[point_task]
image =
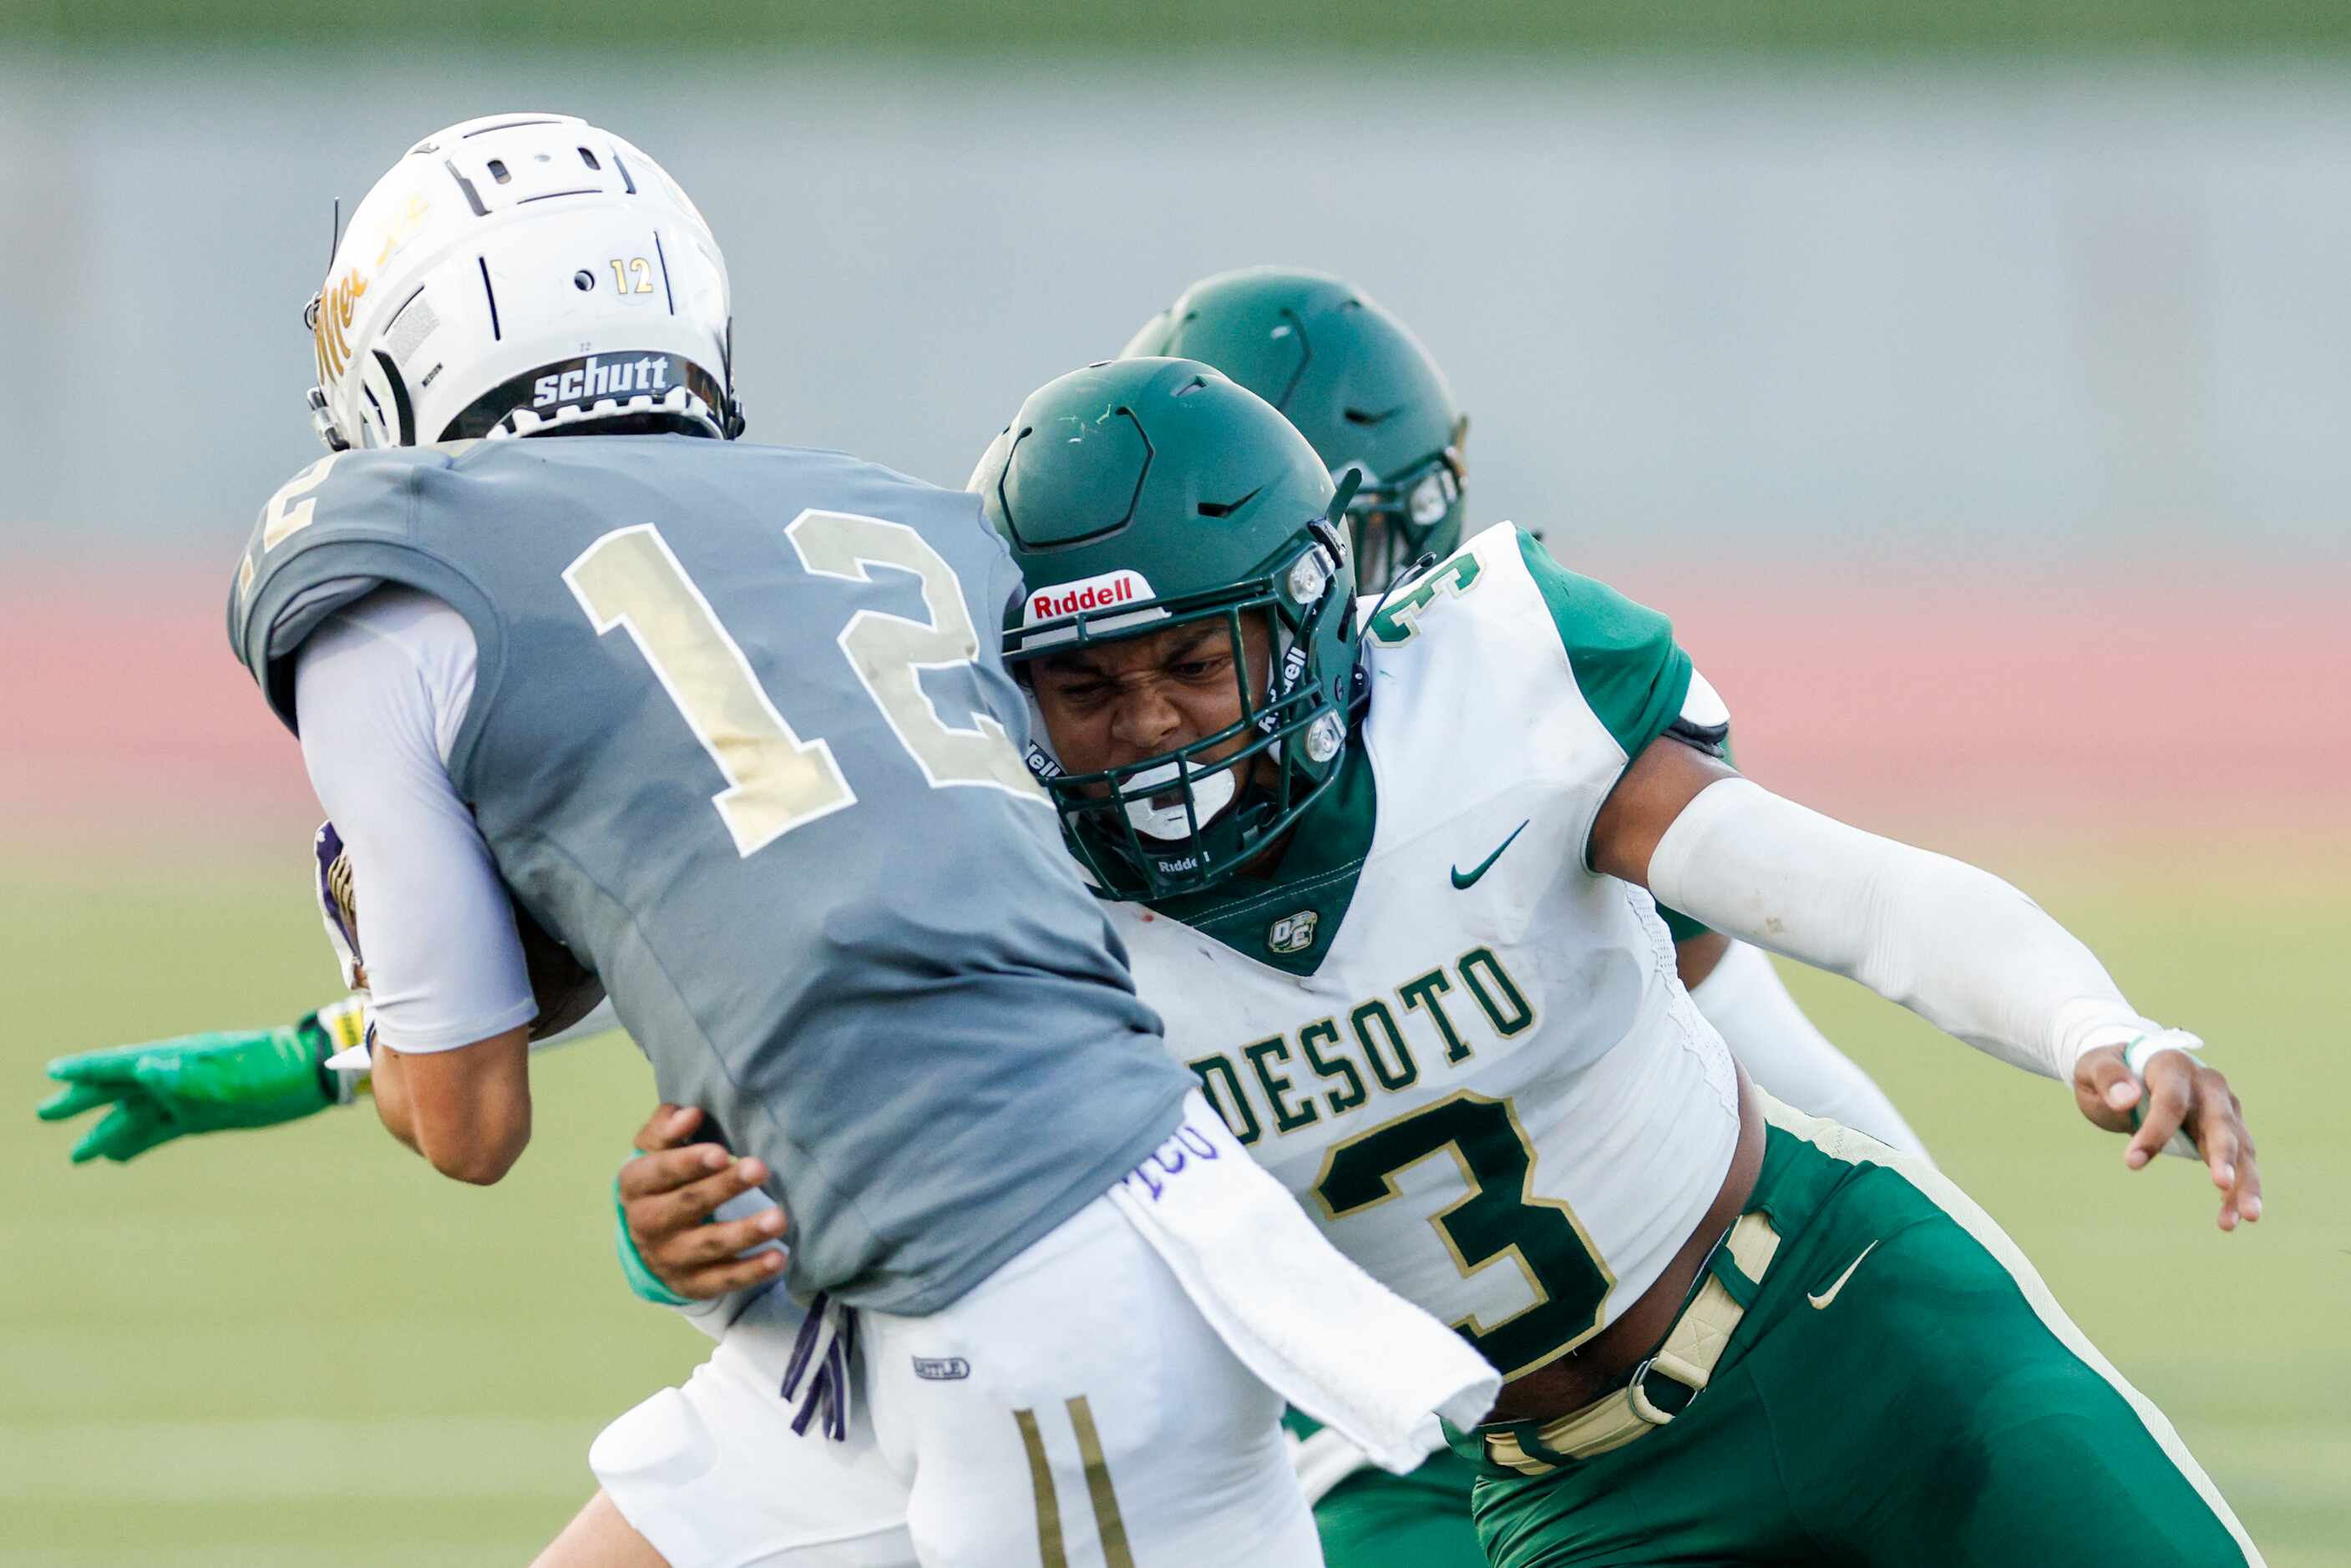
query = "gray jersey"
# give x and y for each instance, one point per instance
(742, 739)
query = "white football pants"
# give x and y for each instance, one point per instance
(1076, 1410)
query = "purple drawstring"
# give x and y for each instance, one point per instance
(829, 1390)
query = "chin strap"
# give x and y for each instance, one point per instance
(322, 421)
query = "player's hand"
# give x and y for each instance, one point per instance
(195, 1084)
(2181, 1095)
(667, 1197)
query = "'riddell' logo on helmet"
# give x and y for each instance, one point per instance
(592, 379)
(1123, 587)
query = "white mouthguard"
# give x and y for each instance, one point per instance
(1210, 794)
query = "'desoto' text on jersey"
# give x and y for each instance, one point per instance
(1491, 1090)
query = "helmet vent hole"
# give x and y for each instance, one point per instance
(1212, 509)
(1192, 386)
(498, 172)
(583, 280)
(589, 159)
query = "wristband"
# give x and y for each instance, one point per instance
(344, 1065)
(645, 1285)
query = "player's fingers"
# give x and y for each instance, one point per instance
(128, 1130)
(2246, 1200)
(654, 1219)
(668, 1127)
(100, 1141)
(2216, 1140)
(2171, 1088)
(668, 1169)
(2220, 1116)
(110, 1067)
(707, 1244)
(74, 1099)
(717, 1280)
(2104, 1089)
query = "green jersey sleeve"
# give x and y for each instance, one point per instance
(1627, 667)
(1630, 671)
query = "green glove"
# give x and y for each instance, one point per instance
(195, 1084)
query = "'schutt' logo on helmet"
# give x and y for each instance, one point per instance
(589, 379)
(1123, 587)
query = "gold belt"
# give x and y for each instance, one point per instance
(1688, 1358)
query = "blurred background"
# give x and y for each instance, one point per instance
(1968, 382)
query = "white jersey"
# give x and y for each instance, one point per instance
(1465, 1053)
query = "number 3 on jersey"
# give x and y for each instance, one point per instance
(775, 780)
(1501, 1219)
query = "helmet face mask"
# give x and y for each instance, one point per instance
(1182, 819)
(1394, 524)
(519, 274)
(1145, 495)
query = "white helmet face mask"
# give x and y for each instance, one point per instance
(516, 273)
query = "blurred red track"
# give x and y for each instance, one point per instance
(2071, 711)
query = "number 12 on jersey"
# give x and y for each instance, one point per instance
(775, 780)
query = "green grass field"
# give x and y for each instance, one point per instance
(301, 1346)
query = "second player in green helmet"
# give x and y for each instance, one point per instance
(1144, 496)
(1357, 385)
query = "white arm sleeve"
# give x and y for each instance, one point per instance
(378, 690)
(1745, 1000)
(1958, 946)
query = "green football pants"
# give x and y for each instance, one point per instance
(1903, 1391)
(1375, 1519)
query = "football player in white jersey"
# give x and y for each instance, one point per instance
(1360, 387)
(1393, 876)
(1607, 1223)
(1363, 391)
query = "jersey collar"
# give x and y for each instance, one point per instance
(1289, 919)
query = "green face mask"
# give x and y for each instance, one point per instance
(1185, 819)
(1397, 524)
(1140, 494)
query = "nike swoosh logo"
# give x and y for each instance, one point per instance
(1459, 880)
(1830, 1294)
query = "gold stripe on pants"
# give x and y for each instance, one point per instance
(1041, 1479)
(1108, 1522)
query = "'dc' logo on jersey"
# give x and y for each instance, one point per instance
(1123, 587)
(1293, 933)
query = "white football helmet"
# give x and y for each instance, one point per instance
(518, 274)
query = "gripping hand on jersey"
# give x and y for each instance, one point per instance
(674, 1248)
(212, 1082)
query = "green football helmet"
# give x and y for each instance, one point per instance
(1138, 494)
(1355, 383)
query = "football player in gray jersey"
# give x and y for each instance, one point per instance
(720, 721)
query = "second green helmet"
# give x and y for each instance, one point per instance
(1357, 385)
